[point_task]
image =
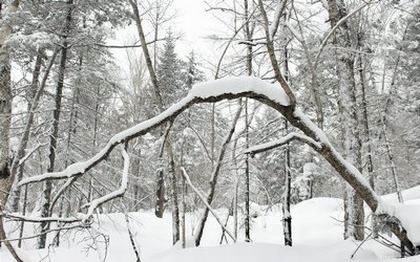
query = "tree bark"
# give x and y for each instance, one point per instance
(6, 178)
(287, 216)
(354, 212)
(46, 194)
(248, 36)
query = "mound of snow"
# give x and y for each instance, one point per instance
(254, 252)
(317, 221)
(408, 194)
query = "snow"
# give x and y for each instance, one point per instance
(244, 252)
(409, 214)
(317, 232)
(310, 168)
(317, 235)
(408, 194)
(237, 85)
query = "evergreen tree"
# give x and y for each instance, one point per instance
(191, 73)
(169, 73)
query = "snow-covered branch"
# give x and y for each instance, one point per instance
(117, 193)
(212, 91)
(29, 154)
(282, 141)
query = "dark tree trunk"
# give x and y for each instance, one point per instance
(46, 194)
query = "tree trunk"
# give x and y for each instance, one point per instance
(175, 207)
(354, 217)
(213, 180)
(287, 216)
(248, 36)
(46, 194)
(6, 178)
(168, 147)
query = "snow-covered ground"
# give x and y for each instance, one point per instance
(317, 236)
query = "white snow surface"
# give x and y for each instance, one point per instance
(236, 85)
(408, 212)
(409, 215)
(317, 236)
(408, 194)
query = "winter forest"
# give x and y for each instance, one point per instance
(214, 131)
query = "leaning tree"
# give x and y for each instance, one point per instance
(271, 95)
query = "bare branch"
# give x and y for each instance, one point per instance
(203, 199)
(282, 141)
(41, 219)
(277, 15)
(135, 45)
(274, 63)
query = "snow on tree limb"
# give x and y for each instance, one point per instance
(282, 141)
(212, 91)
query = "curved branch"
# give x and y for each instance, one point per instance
(273, 59)
(212, 91)
(282, 141)
(57, 196)
(117, 193)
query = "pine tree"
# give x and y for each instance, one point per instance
(169, 73)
